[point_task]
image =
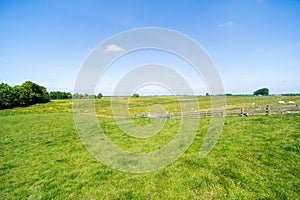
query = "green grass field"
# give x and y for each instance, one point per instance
(42, 156)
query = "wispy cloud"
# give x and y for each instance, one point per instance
(114, 48)
(226, 24)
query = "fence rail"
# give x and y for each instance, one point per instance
(229, 112)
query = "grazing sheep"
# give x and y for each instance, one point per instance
(244, 114)
(285, 112)
(153, 116)
(142, 115)
(281, 102)
(168, 116)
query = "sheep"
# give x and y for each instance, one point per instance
(244, 114)
(285, 112)
(153, 116)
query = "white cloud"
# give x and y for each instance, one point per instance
(226, 24)
(114, 48)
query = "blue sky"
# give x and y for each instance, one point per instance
(253, 43)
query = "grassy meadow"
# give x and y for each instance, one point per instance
(256, 157)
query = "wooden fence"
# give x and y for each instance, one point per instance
(233, 112)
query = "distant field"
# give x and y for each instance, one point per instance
(42, 156)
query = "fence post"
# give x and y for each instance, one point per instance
(267, 110)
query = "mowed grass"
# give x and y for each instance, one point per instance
(42, 157)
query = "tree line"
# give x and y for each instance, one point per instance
(28, 93)
(60, 95)
(87, 96)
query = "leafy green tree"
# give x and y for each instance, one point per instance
(69, 95)
(60, 95)
(99, 96)
(84, 96)
(19, 96)
(135, 95)
(262, 91)
(34, 93)
(78, 96)
(27, 94)
(53, 95)
(5, 96)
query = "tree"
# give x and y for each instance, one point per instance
(135, 95)
(34, 93)
(262, 91)
(60, 95)
(18, 96)
(99, 96)
(77, 96)
(28, 93)
(5, 96)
